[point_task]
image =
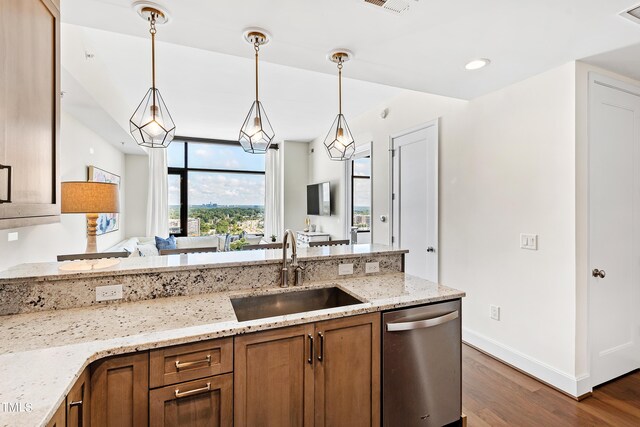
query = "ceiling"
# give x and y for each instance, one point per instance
(424, 49)
(625, 61)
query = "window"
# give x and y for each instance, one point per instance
(361, 193)
(214, 188)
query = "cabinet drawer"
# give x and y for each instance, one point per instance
(188, 362)
(204, 402)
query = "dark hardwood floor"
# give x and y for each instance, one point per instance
(494, 394)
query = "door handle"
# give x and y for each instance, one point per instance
(8, 199)
(421, 324)
(598, 273)
(310, 359)
(321, 349)
(178, 394)
(431, 249)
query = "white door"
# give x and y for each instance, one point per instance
(614, 225)
(415, 199)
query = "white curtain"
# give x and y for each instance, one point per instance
(273, 202)
(158, 197)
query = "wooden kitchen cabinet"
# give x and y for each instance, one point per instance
(58, 419)
(120, 391)
(29, 112)
(323, 374)
(204, 402)
(273, 378)
(78, 402)
(347, 372)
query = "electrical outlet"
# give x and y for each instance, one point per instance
(372, 267)
(495, 312)
(529, 241)
(344, 269)
(12, 237)
(108, 293)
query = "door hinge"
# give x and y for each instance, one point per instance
(393, 152)
(393, 196)
(393, 239)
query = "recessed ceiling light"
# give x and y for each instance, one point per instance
(476, 64)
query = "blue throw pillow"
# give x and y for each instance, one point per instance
(168, 243)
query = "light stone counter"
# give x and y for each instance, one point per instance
(43, 353)
(49, 271)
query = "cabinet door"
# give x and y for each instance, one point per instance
(58, 419)
(347, 376)
(78, 402)
(273, 378)
(29, 110)
(120, 391)
(206, 402)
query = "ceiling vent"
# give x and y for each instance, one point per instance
(395, 6)
(633, 14)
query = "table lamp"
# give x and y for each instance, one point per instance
(90, 198)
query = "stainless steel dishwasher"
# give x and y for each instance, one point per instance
(422, 366)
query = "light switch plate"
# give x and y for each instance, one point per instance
(12, 237)
(529, 241)
(344, 269)
(372, 267)
(495, 312)
(108, 293)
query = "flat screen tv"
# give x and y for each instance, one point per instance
(319, 199)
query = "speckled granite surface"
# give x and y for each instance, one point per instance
(42, 353)
(80, 291)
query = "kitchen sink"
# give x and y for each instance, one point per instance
(261, 306)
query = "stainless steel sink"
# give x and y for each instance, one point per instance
(261, 306)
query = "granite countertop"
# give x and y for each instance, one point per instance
(49, 271)
(42, 354)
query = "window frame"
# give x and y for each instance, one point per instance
(183, 172)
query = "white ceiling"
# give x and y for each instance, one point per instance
(424, 49)
(208, 94)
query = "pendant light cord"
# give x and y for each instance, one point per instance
(152, 30)
(256, 46)
(340, 85)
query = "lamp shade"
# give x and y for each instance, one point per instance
(89, 197)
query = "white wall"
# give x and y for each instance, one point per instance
(507, 166)
(295, 165)
(135, 190)
(43, 242)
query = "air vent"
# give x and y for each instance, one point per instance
(395, 6)
(632, 14)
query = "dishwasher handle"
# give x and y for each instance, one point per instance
(421, 324)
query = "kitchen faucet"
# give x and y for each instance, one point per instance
(297, 270)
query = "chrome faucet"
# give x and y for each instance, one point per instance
(297, 270)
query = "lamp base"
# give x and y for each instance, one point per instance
(92, 227)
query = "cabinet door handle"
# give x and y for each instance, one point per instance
(78, 404)
(204, 389)
(181, 365)
(8, 199)
(310, 359)
(321, 349)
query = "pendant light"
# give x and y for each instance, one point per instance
(339, 141)
(151, 124)
(256, 133)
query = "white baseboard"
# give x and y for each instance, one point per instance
(574, 386)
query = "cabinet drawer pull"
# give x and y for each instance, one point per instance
(77, 403)
(204, 389)
(321, 350)
(8, 199)
(180, 365)
(310, 359)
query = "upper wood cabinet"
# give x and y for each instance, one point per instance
(29, 112)
(323, 374)
(120, 391)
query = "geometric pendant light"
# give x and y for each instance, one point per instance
(339, 141)
(151, 124)
(256, 133)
